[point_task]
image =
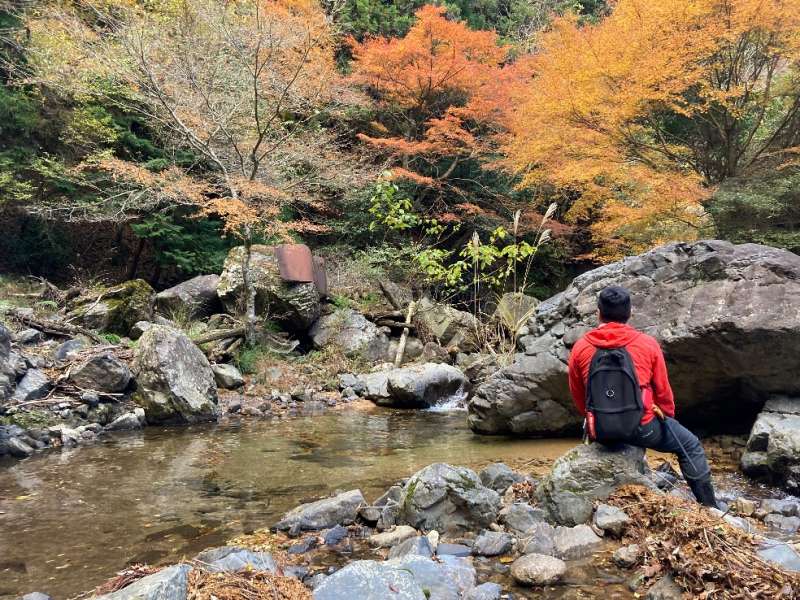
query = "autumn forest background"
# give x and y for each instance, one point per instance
(469, 146)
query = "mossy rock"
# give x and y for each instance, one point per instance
(117, 308)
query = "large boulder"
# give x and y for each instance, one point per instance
(773, 449)
(448, 499)
(369, 580)
(115, 309)
(7, 371)
(295, 305)
(174, 380)
(168, 584)
(452, 328)
(352, 333)
(195, 298)
(726, 316)
(585, 474)
(415, 386)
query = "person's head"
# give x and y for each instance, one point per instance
(614, 304)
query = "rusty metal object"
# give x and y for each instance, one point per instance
(297, 265)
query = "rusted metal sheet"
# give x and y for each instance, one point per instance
(297, 265)
(295, 262)
(320, 276)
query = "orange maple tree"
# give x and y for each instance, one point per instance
(639, 116)
(442, 89)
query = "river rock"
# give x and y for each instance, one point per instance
(102, 373)
(369, 580)
(585, 474)
(448, 499)
(781, 523)
(29, 336)
(192, 299)
(492, 543)
(773, 448)
(231, 559)
(227, 376)
(36, 596)
(726, 316)
(611, 519)
(780, 553)
(446, 578)
(664, 589)
(416, 546)
(115, 309)
(485, 591)
(8, 375)
(295, 305)
(69, 349)
(575, 542)
(789, 507)
(174, 379)
(33, 386)
(627, 556)
(538, 570)
(16, 447)
(499, 477)
(168, 584)
(414, 386)
(540, 539)
(451, 327)
(352, 334)
(394, 537)
(127, 421)
(521, 517)
(322, 514)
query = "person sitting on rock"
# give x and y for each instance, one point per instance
(632, 403)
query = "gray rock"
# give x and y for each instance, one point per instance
(102, 373)
(664, 589)
(227, 376)
(29, 336)
(611, 519)
(294, 305)
(789, 507)
(538, 570)
(492, 543)
(773, 448)
(521, 517)
(115, 309)
(485, 591)
(335, 535)
(781, 554)
(627, 556)
(127, 421)
(448, 499)
(732, 305)
(349, 380)
(781, 523)
(369, 580)
(392, 538)
(575, 542)
(174, 379)
(68, 349)
(195, 298)
(499, 477)
(446, 578)
(477, 367)
(168, 584)
(230, 559)
(325, 513)
(451, 327)
(415, 386)
(416, 546)
(370, 514)
(138, 329)
(17, 448)
(351, 333)
(540, 539)
(444, 549)
(36, 596)
(33, 386)
(588, 473)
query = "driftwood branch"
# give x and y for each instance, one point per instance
(401, 348)
(55, 327)
(219, 334)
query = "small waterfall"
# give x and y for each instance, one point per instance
(453, 402)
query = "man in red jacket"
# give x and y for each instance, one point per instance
(658, 428)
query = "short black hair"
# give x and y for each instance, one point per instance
(614, 303)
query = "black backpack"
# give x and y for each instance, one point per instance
(614, 405)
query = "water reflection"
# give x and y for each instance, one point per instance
(68, 520)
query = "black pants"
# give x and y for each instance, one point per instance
(670, 436)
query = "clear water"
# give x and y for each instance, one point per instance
(71, 519)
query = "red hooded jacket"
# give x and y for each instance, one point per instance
(647, 358)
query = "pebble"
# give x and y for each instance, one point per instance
(627, 556)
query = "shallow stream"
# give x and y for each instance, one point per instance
(71, 519)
